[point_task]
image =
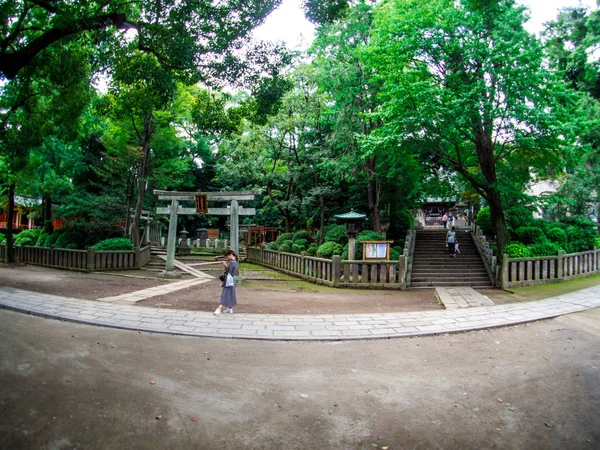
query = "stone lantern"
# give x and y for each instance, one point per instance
(184, 248)
(354, 224)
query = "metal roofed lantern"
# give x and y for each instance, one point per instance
(354, 222)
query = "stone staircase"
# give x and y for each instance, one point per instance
(433, 267)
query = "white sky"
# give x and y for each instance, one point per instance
(288, 24)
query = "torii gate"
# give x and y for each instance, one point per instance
(202, 200)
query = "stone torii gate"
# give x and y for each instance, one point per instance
(202, 200)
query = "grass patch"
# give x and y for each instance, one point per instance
(532, 293)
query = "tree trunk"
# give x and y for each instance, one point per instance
(10, 253)
(47, 213)
(145, 144)
(322, 218)
(498, 219)
(373, 194)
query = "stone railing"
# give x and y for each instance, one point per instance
(82, 260)
(518, 272)
(335, 272)
(487, 254)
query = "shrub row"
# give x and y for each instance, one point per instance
(538, 237)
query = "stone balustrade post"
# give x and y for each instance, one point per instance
(559, 265)
(91, 256)
(336, 263)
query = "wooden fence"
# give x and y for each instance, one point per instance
(335, 272)
(518, 272)
(82, 260)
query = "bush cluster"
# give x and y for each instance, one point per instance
(114, 244)
(543, 238)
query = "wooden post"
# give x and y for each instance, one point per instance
(91, 255)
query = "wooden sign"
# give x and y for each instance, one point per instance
(376, 250)
(201, 203)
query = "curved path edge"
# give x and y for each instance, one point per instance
(294, 327)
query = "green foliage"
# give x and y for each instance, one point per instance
(71, 237)
(546, 248)
(302, 234)
(302, 243)
(114, 244)
(557, 235)
(2, 238)
(71, 246)
(286, 248)
(336, 233)
(581, 237)
(400, 222)
(52, 238)
(322, 12)
(312, 251)
(27, 237)
(272, 245)
(284, 237)
(328, 249)
(596, 242)
(517, 250)
(395, 253)
(530, 235)
(484, 220)
(518, 216)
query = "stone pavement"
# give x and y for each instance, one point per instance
(294, 327)
(461, 297)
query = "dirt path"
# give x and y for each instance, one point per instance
(67, 386)
(261, 293)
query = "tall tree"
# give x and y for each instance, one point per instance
(195, 37)
(571, 41)
(466, 84)
(342, 75)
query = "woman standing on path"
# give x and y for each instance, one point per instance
(228, 295)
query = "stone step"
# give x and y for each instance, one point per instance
(448, 271)
(439, 278)
(429, 285)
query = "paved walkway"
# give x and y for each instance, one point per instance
(294, 327)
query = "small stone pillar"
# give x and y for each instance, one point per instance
(202, 235)
(184, 248)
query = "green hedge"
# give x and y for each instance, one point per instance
(114, 244)
(328, 249)
(517, 250)
(27, 237)
(530, 235)
(484, 220)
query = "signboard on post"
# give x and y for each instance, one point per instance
(376, 250)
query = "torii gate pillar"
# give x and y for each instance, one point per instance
(171, 241)
(234, 230)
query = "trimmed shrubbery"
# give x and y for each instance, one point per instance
(27, 237)
(517, 250)
(114, 244)
(328, 249)
(530, 235)
(484, 220)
